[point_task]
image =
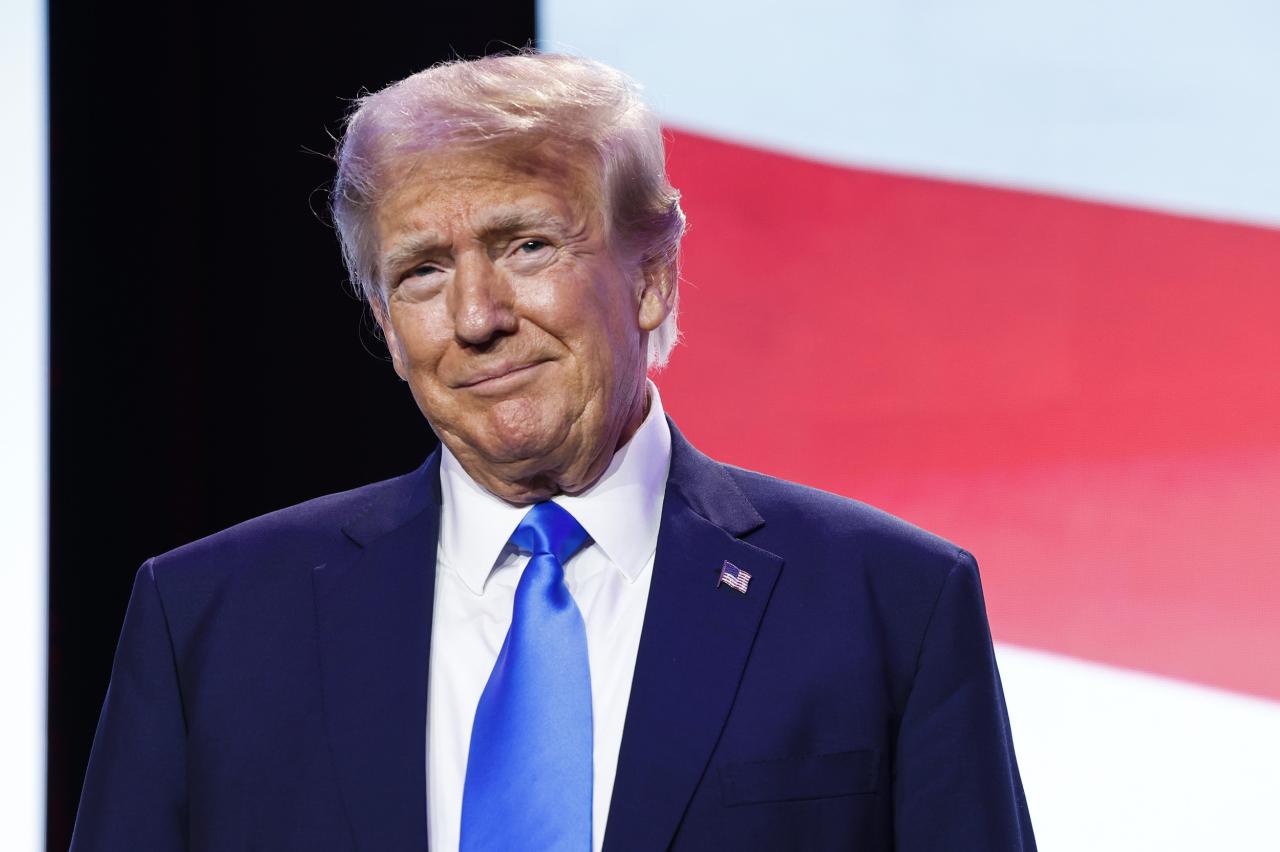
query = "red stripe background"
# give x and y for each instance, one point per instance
(1084, 395)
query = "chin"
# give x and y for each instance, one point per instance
(523, 430)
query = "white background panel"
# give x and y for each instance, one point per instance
(1116, 761)
(23, 324)
(1173, 105)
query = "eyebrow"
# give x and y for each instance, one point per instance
(510, 222)
(409, 249)
(502, 225)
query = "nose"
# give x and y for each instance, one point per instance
(483, 303)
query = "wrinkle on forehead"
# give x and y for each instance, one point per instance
(558, 162)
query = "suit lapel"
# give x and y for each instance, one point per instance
(373, 614)
(693, 649)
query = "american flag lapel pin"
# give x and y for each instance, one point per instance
(733, 577)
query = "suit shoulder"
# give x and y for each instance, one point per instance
(804, 514)
(299, 532)
(848, 563)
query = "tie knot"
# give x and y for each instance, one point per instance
(549, 528)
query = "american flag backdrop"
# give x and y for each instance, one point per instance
(1011, 271)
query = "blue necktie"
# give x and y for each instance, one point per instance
(528, 781)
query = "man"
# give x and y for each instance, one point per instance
(568, 629)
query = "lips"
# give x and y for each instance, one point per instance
(498, 374)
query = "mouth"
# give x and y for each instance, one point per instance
(501, 376)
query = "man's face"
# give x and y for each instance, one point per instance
(520, 333)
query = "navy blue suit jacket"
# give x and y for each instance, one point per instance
(270, 685)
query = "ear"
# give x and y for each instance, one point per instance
(382, 314)
(657, 294)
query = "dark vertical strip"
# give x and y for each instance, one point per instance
(207, 362)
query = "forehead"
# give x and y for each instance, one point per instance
(463, 187)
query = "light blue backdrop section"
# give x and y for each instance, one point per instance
(23, 424)
(1173, 105)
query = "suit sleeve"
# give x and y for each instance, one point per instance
(957, 786)
(134, 793)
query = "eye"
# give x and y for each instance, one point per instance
(421, 271)
(532, 246)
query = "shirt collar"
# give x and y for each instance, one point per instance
(621, 511)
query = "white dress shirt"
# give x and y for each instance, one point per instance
(476, 576)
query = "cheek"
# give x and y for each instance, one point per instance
(595, 313)
(421, 333)
(549, 300)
